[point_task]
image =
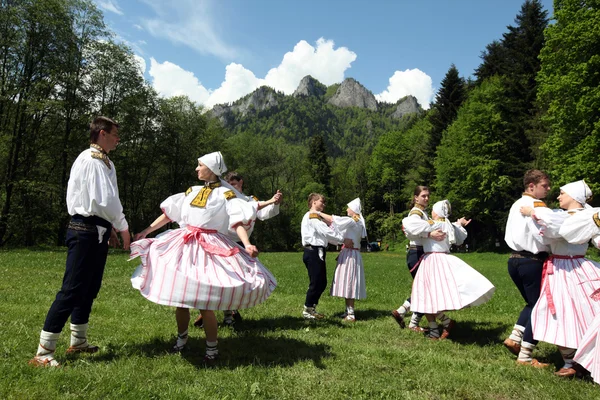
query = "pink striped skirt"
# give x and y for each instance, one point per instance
(349, 278)
(588, 353)
(195, 268)
(564, 310)
(445, 282)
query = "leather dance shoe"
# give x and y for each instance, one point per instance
(417, 329)
(87, 349)
(566, 372)
(199, 322)
(446, 330)
(399, 318)
(533, 363)
(512, 346)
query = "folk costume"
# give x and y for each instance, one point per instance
(349, 277)
(94, 205)
(525, 266)
(199, 265)
(316, 236)
(580, 228)
(416, 228)
(445, 282)
(565, 310)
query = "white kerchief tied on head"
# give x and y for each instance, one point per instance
(355, 206)
(443, 210)
(214, 162)
(579, 191)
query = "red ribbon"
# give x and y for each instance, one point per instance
(548, 269)
(195, 233)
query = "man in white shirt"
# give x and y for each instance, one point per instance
(96, 214)
(525, 264)
(316, 235)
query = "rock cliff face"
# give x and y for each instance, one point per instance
(261, 99)
(407, 105)
(309, 86)
(353, 94)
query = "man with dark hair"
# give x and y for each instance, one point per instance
(526, 263)
(96, 213)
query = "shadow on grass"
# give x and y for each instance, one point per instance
(233, 351)
(479, 333)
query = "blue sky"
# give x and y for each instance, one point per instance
(216, 51)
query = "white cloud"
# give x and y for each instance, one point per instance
(109, 5)
(323, 62)
(412, 81)
(171, 80)
(188, 22)
(138, 27)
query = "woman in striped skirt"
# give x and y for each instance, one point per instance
(445, 282)
(349, 278)
(199, 266)
(565, 309)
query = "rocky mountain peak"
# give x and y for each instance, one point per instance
(353, 94)
(406, 105)
(309, 86)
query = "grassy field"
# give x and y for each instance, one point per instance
(273, 353)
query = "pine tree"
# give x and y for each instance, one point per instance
(317, 155)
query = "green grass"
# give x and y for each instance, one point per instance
(274, 354)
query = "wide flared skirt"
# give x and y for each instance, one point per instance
(445, 282)
(564, 310)
(588, 353)
(206, 271)
(349, 277)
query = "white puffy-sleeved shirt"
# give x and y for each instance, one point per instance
(349, 228)
(415, 226)
(263, 214)
(92, 189)
(580, 227)
(315, 232)
(443, 246)
(548, 224)
(518, 235)
(216, 207)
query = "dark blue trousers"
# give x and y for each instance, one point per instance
(317, 275)
(86, 258)
(412, 258)
(526, 273)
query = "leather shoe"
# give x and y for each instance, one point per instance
(417, 329)
(566, 372)
(512, 346)
(399, 318)
(533, 363)
(446, 330)
(88, 349)
(199, 322)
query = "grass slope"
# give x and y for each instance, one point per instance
(274, 353)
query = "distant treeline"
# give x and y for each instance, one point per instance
(533, 103)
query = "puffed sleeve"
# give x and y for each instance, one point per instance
(549, 221)
(341, 224)
(460, 234)
(172, 206)
(332, 234)
(241, 212)
(582, 226)
(268, 212)
(415, 227)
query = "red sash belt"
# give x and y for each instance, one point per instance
(424, 254)
(195, 233)
(548, 269)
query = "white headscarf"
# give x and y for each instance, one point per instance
(355, 206)
(443, 210)
(214, 162)
(579, 191)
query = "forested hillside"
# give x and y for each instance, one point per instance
(533, 102)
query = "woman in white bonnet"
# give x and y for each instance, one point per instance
(349, 277)
(565, 309)
(445, 282)
(198, 265)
